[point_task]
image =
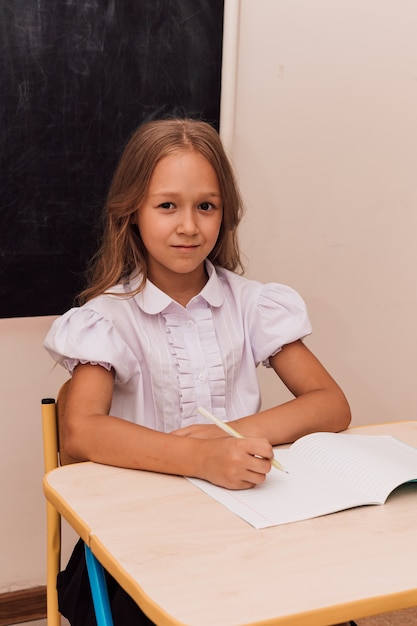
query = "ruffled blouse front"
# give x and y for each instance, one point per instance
(169, 359)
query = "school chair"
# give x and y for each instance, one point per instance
(54, 456)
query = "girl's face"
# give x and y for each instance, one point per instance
(179, 220)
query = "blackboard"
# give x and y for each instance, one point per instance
(76, 78)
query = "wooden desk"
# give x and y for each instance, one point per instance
(187, 560)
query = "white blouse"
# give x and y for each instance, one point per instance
(169, 359)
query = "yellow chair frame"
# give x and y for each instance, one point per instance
(54, 456)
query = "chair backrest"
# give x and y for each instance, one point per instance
(54, 455)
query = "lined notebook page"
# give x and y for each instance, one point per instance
(328, 472)
(375, 463)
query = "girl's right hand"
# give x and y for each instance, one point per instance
(235, 463)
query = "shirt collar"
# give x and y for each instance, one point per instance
(152, 300)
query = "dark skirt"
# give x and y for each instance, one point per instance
(75, 601)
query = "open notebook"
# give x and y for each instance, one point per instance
(327, 472)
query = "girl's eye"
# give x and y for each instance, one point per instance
(205, 206)
(166, 205)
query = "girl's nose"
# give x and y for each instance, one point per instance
(187, 224)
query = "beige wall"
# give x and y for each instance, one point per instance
(27, 375)
(323, 133)
(324, 136)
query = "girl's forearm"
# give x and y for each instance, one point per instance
(114, 441)
(318, 410)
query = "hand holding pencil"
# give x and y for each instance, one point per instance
(231, 431)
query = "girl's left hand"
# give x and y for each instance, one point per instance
(200, 431)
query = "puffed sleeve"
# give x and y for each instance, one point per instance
(83, 335)
(279, 317)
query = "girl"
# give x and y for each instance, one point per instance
(167, 325)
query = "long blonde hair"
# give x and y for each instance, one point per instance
(122, 253)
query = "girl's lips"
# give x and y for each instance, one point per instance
(186, 247)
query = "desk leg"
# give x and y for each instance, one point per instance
(98, 589)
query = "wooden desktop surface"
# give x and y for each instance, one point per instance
(187, 560)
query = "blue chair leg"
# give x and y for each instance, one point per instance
(98, 589)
